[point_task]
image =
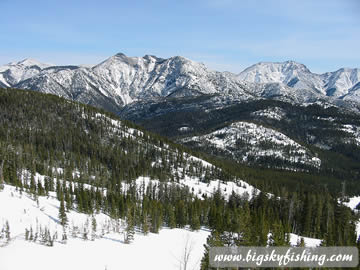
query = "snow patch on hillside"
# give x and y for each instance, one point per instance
(275, 113)
(309, 242)
(245, 141)
(353, 202)
(354, 131)
(201, 189)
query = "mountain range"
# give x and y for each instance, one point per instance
(121, 80)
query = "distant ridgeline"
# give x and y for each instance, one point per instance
(98, 154)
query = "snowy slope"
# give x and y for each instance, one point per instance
(107, 251)
(341, 82)
(248, 141)
(157, 251)
(105, 248)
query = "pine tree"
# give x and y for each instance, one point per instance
(129, 230)
(278, 236)
(213, 240)
(85, 233)
(1, 175)
(68, 200)
(172, 219)
(62, 213)
(180, 214)
(145, 223)
(7, 231)
(64, 235)
(93, 228)
(27, 234)
(50, 240)
(31, 236)
(32, 184)
(195, 221)
(301, 242)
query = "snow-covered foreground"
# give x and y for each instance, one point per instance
(154, 251)
(165, 250)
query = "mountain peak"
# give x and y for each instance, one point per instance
(120, 56)
(115, 60)
(289, 73)
(29, 62)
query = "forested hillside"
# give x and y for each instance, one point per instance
(320, 140)
(94, 162)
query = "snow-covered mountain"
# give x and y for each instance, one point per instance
(13, 73)
(342, 82)
(339, 84)
(120, 80)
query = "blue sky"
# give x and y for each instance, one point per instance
(224, 34)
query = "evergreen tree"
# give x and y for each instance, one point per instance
(301, 242)
(195, 221)
(64, 235)
(1, 174)
(32, 184)
(27, 234)
(31, 236)
(93, 228)
(129, 230)
(213, 240)
(145, 223)
(278, 235)
(172, 220)
(7, 231)
(62, 213)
